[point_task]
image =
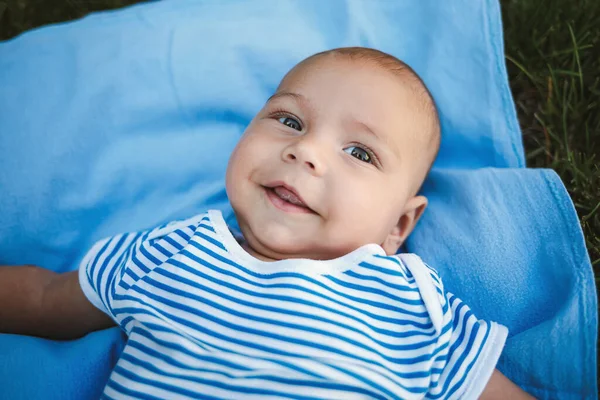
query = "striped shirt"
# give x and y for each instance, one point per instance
(206, 320)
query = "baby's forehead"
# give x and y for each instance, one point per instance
(392, 76)
(331, 60)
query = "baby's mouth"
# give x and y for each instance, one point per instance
(286, 199)
(288, 196)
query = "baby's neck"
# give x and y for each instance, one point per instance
(253, 252)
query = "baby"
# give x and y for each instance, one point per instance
(309, 300)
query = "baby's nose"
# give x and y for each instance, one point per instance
(292, 157)
(307, 156)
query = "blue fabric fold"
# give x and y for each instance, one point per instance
(124, 120)
(508, 242)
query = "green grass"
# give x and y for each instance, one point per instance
(553, 59)
(17, 16)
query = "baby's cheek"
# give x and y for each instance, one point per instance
(243, 160)
(355, 198)
(364, 212)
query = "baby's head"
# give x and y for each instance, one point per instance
(335, 158)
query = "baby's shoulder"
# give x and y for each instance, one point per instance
(411, 265)
(415, 280)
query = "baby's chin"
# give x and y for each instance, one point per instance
(273, 239)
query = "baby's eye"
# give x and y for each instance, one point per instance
(290, 122)
(360, 153)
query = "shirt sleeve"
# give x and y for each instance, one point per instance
(467, 352)
(115, 264)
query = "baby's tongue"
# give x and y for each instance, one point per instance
(288, 196)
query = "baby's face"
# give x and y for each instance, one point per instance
(332, 162)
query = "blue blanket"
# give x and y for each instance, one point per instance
(124, 120)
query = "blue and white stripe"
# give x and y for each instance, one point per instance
(206, 320)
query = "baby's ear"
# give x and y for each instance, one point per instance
(413, 209)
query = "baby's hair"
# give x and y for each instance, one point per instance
(400, 68)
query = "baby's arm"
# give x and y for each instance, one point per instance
(38, 302)
(500, 387)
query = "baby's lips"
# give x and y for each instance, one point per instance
(289, 196)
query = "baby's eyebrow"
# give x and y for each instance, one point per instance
(370, 131)
(296, 96)
(367, 129)
(381, 138)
